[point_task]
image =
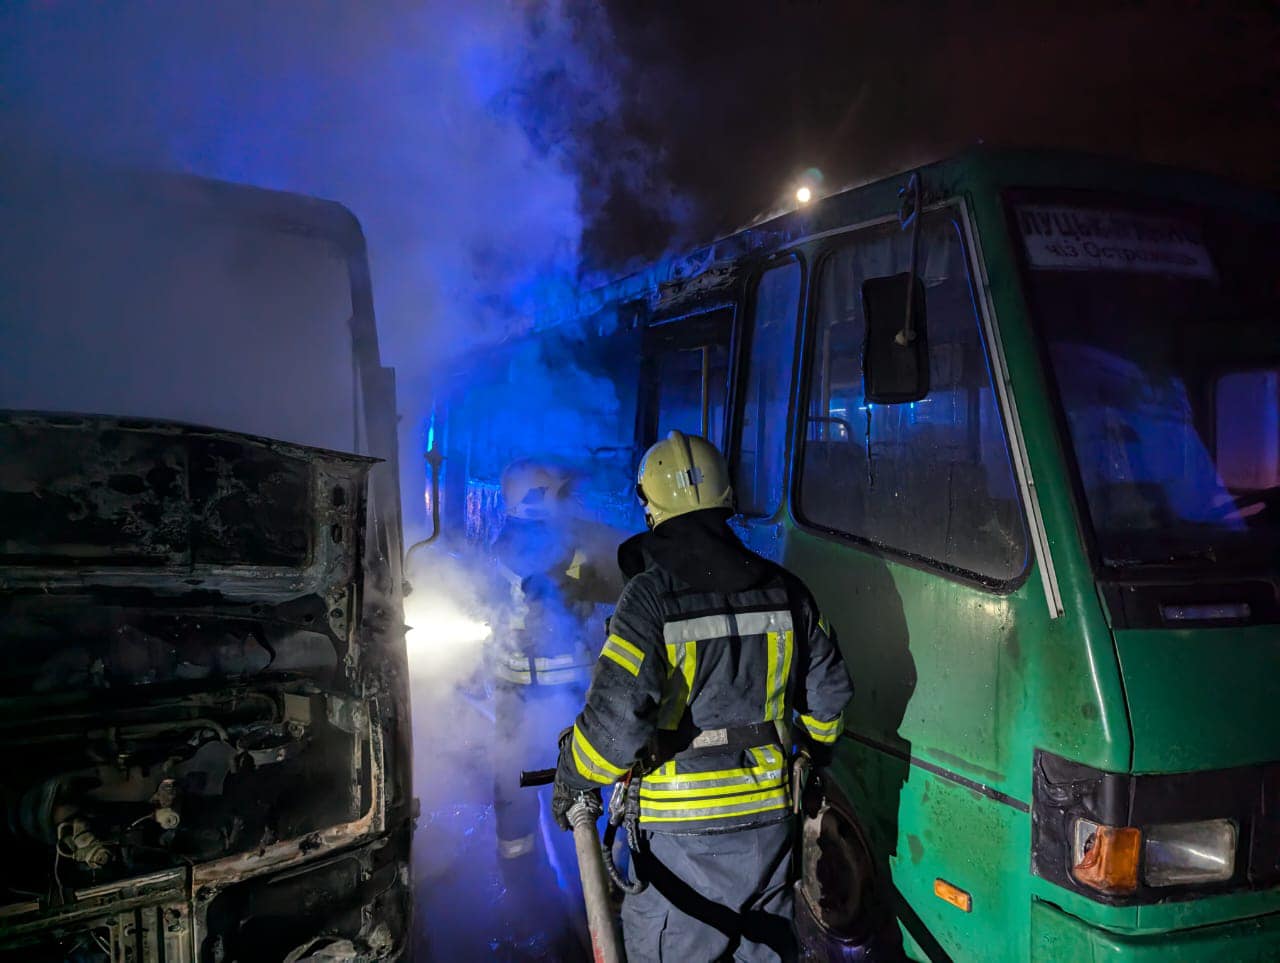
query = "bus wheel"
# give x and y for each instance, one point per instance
(836, 917)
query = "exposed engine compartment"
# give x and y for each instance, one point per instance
(189, 713)
(138, 788)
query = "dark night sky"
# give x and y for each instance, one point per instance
(734, 98)
(498, 150)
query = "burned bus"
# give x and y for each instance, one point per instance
(203, 700)
(1015, 418)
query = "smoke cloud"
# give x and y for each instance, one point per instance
(403, 112)
(451, 130)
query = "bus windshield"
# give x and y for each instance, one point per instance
(1161, 330)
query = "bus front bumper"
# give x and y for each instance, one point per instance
(1061, 937)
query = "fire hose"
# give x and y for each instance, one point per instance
(595, 860)
(595, 857)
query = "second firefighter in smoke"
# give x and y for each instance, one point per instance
(555, 573)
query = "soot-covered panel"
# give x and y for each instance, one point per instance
(83, 492)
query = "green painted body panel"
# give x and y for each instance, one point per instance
(1202, 698)
(1061, 938)
(946, 673)
(923, 828)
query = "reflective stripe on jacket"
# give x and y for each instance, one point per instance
(525, 630)
(682, 662)
(518, 669)
(683, 796)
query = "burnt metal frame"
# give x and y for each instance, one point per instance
(733, 440)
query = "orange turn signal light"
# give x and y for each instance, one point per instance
(953, 895)
(1106, 857)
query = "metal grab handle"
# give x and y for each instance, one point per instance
(840, 422)
(433, 458)
(910, 196)
(800, 770)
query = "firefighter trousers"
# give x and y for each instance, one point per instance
(720, 896)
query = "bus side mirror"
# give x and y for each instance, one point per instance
(895, 353)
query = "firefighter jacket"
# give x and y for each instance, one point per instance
(712, 654)
(553, 581)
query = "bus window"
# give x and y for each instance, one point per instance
(1247, 405)
(687, 376)
(1171, 422)
(931, 479)
(690, 381)
(760, 449)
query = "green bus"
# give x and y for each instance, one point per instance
(1015, 418)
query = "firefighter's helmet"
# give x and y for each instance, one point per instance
(534, 490)
(682, 474)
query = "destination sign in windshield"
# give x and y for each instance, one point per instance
(1062, 238)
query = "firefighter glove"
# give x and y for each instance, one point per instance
(563, 798)
(820, 754)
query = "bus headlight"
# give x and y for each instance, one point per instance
(1130, 839)
(1176, 854)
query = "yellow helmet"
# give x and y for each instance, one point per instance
(682, 474)
(534, 490)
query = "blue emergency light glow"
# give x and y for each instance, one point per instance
(1212, 612)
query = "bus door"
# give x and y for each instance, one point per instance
(911, 537)
(757, 452)
(685, 376)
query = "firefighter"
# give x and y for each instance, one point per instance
(547, 562)
(715, 661)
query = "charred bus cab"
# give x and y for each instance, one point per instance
(203, 700)
(1015, 418)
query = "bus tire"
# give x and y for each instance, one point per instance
(837, 916)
